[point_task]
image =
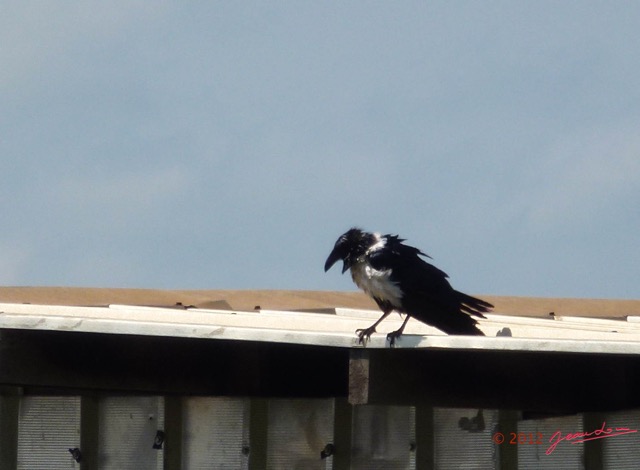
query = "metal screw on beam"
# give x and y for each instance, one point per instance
(76, 454)
(328, 451)
(158, 440)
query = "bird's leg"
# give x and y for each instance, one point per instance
(365, 334)
(394, 335)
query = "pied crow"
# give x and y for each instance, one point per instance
(397, 278)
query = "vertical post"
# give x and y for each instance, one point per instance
(342, 430)
(593, 455)
(508, 454)
(9, 415)
(173, 433)
(89, 432)
(258, 428)
(425, 442)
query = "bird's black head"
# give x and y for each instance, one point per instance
(348, 247)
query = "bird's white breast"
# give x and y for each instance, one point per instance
(376, 283)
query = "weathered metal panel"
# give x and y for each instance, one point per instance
(47, 428)
(127, 431)
(575, 335)
(535, 436)
(463, 438)
(383, 438)
(621, 450)
(298, 431)
(215, 433)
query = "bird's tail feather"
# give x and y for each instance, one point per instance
(456, 317)
(459, 325)
(473, 305)
(463, 321)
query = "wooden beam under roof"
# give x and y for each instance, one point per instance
(524, 380)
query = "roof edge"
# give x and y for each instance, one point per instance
(296, 300)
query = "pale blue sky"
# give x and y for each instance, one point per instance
(228, 144)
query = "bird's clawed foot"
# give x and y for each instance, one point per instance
(393, 336)
(364, 335)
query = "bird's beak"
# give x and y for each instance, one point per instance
(331, 260)
(346, 265)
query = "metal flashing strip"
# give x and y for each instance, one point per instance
(532, 335)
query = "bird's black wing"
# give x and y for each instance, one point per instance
(412, 273)
(427, 294)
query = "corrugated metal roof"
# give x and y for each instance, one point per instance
(334, 328)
